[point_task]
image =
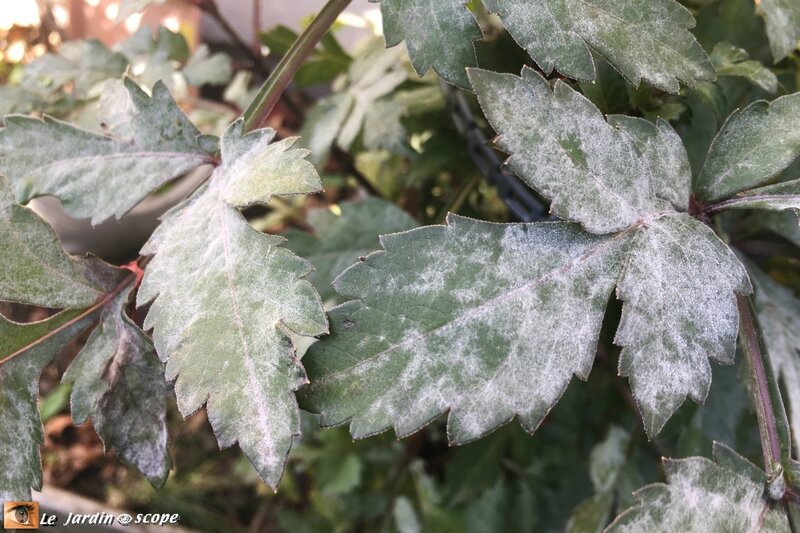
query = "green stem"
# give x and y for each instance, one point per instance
(272, 89)
(773, 424)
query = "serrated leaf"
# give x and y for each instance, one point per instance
(777, 197)
(20, 463)
(343, 235)
(339, 118)
(488, 321)
(35, 268)
(563, 147)
(702, 495)
(678, 289)
(730, 60)
(438, 35)
(81, 63)
(779, 313)
(204, 67)
(226, 296)
(100, 176)
(118, 381)
(644, 40)
(753, 145)
(783, 25)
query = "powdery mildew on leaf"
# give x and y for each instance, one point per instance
(678, 289)
(118, 381)
(439, 34)
(35, 268)
(700, 495)
(643, 39)
(777, 197)
(98, 176)
(754, 145)
(225, 297)
(488, 321)
(342, 236)
(779, 314)
(783, 25)
(20, 463)
(605, 175)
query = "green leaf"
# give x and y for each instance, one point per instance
(339, 118)
(488, 321)
(753, 145)
(727, 494)
(118, 381)
(324, 63)
(644, 40)
(677, 313)
(204, 67)
(779, 313)
(730, 60)
(562, 146)
(777, 197)
(100, 176)
(35, 345)
(783, 25)
(438, 35)
(81, 63)
(226, 297)
(36, 270)
(342, 234)
(783, 223)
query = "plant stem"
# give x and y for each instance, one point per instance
(773, 424)
(272, 89)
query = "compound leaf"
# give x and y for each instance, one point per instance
(606, 175)
(118, 381)
(488, 321)
(679, 309)
(727, 494)
(226, 296)
(100, 176)
(438, 35)
(643, 40)
(753, 145)
(783, 25)
(34, 345)
(36, 269)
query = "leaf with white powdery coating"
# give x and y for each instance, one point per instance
(488, 321)
(606, 175)
(727, 494)
(225, 298)
(678, 289)
(783, 25)
(439, 34)
(645, 40)
(20, 462)
(118, 381)
(36, 269)
(753, 146)
(100, 176)
(341, 237)
(777, 197)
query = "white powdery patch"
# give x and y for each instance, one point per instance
(678, 289)
(704, 496)
(605, 175)
(512, 313)
(226, 296)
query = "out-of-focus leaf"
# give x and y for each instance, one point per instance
(783, 25)
(204, 67)
(729, 60)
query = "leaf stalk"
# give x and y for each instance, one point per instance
(270, 92)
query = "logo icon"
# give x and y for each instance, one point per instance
(124, 519)
(21, 515)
